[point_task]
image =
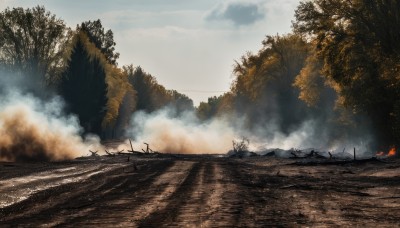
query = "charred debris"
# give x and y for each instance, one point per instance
(310, 156)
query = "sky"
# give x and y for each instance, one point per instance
(189, 46)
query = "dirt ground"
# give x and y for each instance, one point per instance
(199, 191)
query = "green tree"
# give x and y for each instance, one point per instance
(32, 42)
(83, 84)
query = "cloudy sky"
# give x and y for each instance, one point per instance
(189, 46)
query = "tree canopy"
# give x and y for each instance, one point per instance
(152, 96)
(32, 41)
(263, 81)
(358, 43)
(103, 40)
(83, 84)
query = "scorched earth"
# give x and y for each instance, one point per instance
(199, 191)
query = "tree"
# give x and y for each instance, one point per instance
(126, 109)
(32, 42)
(104, 40)
(143, 84)
(210, 109)
(83, 84)
(121, 101)
(359, 44)
(180, 102)
(152, 96)
(263, 86)
(315, 89)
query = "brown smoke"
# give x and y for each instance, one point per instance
(27, 134)
(183, 135)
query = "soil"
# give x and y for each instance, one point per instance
(199, 191)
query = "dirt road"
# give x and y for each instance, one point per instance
(198, 191)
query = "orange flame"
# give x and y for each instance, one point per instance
(392, 152)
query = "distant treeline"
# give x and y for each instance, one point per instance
(340, 66)
(40, 55)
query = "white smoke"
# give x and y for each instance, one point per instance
(184, 134)
(166, 132)
(310, 134)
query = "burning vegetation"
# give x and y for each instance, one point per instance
(390, 153)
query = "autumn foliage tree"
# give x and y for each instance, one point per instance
(358, 43)
(215, 106)
(263, 86)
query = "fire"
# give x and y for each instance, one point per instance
(392, 152)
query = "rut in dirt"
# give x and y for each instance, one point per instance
(71, 202)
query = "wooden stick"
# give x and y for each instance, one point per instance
(94, 153)
(131, 145)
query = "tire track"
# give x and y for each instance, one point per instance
(171, 206)
(127, 208)
(207, 198)
(66, 203)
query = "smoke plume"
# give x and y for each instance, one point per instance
(170, 133)
(34, 130)
(166, 132)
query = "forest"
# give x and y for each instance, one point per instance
(80, 65)
(339, 68)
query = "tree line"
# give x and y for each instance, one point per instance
(339, 65)
(43, 56)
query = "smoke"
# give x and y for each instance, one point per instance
(35, 130)
(170, 133)
(33, 126)
(312, 133)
